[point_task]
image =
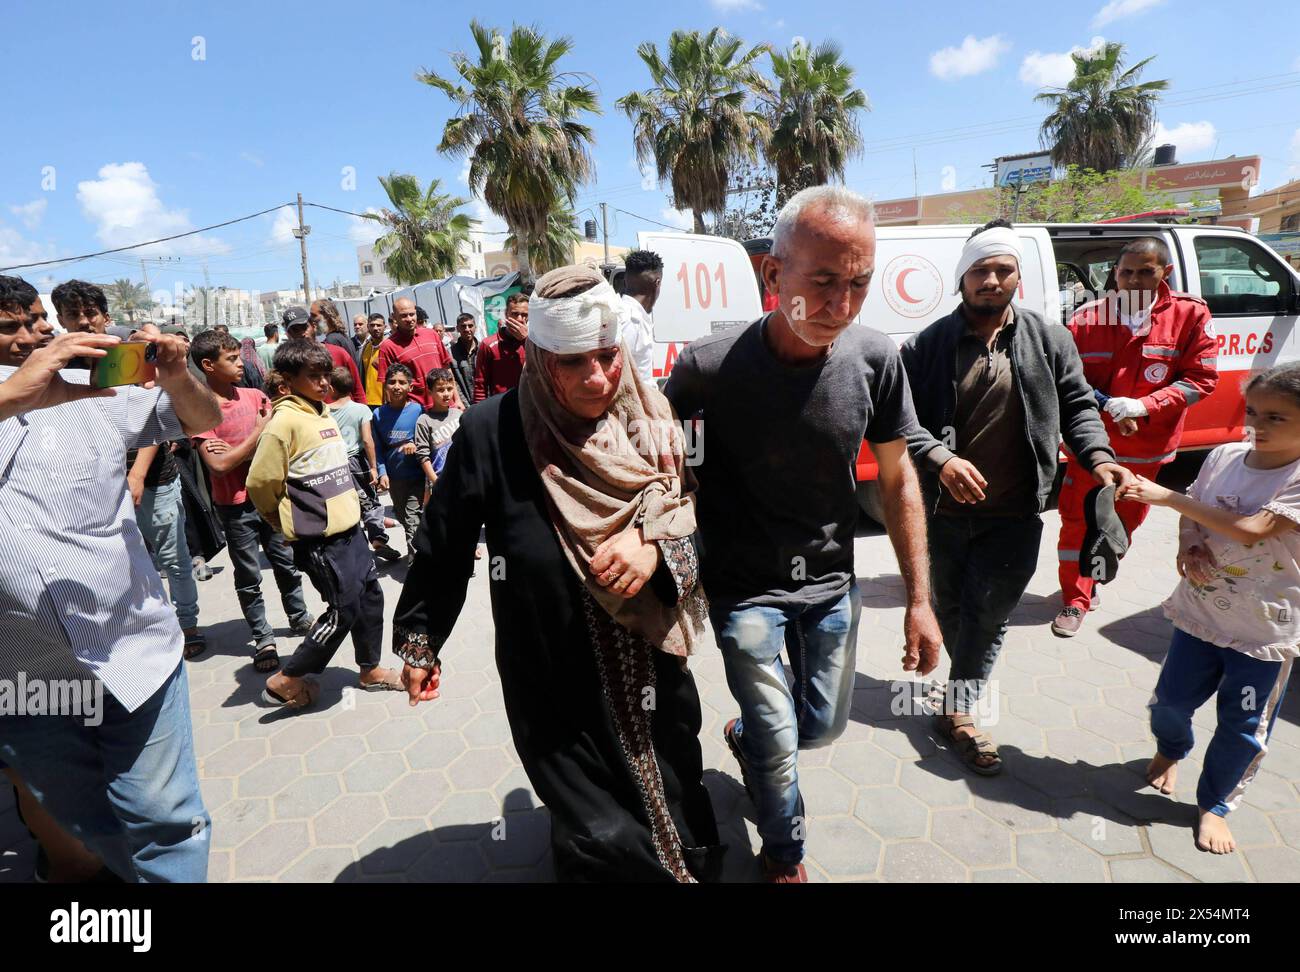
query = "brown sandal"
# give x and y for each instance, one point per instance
(310, 692)
(972, 747)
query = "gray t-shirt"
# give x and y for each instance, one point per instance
(777, 500)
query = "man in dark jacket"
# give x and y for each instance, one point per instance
(464, 355)
(996, 388)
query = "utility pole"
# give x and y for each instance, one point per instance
(604, 231)
(301, 232)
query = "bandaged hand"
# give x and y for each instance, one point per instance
(1125, 408)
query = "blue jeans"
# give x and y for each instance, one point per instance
(1250, 696)
(776, 719)
(979, 569)
(245, 532)
(161, 517)
(128, 788)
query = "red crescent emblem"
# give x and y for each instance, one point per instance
(902, 290)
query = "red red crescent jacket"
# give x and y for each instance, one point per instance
(1169, 364)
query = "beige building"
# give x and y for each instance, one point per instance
(584, 251)
(1222, 184)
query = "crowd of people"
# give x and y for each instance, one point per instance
(618, 551)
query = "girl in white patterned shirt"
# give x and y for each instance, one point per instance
(1236, 613)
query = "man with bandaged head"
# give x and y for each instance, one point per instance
(578, 475)
(996, 388)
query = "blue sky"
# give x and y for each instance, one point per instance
(128, 135)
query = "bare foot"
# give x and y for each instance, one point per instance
(1213, 835)
(1162, 772)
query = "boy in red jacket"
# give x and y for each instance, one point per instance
(1149, 354)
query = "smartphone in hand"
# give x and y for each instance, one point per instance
(127, 363)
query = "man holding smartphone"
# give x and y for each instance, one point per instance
(84, 607)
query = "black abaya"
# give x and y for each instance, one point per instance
(607, 727)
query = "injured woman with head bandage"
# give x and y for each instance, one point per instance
(595, 590)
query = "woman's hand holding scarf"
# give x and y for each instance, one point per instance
(624, 562)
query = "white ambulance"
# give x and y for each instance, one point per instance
(711, 284)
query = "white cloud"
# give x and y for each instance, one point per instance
(682, 219)
(1119, 9)
(1055, 69)
(492, 225)
(31, 213)
(364, 231)
(123, 204)
(974, 56)
(252, 158)
(1192, 138)
(734, 6)
(1294, 171)
(17, 249)
(283, 224)
(463, 177)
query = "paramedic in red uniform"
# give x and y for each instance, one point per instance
(1149, 354)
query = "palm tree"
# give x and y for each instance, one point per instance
(696, 121)
(127, 297)
(517, 123)
(554, 248)
(813, 118)
(1103, 119)
(424, 234)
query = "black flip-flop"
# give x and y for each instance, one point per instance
(195, 645)
(266, 660)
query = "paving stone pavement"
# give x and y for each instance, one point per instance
(365, 788)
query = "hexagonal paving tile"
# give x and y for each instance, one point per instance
(306, 796)
(936, 782)
(1145, 871)
(271, 850)
(434, 750)
(395, 734)
(971, 837)
(478, 769)
(465, 816)
(320, 865)
(1175, 845)
(487, 729)
(450, 713)
(892, 813)
(842, 846)
(916, 861)
(394, 846)
(1081, 746)
(864, 763)
(1099, 827)
(1069, 691)
(238, 820)
(416, 794)
(1055, 857)
(825, 792)
(375, 773)
(360, 719)
(270, 776)
(233, 758)
(333, 755)
(348, 819)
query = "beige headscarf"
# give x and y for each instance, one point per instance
(603, 476)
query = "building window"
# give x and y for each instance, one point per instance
(1291, 224)
(367, 268)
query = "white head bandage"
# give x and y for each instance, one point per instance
(584, 322)
(998, 241)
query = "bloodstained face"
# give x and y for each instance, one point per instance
(585, 384)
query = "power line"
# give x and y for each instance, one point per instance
(646, 219)
(136, 246)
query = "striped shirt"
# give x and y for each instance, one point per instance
(79, 594)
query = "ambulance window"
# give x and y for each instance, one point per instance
(1238, 277)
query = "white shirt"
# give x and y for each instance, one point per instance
(639, 337)
(1252, 604)
(79, 594)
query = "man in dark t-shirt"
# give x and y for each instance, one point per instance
(786, 404)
